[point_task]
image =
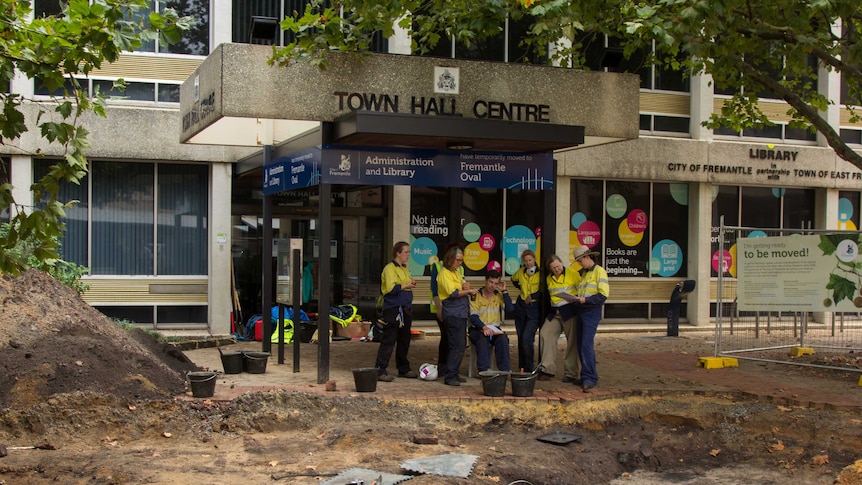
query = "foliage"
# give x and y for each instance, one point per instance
(63, 271)
(59, 51)
(773, 47)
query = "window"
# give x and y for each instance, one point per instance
(195, 41)
(779, 131)
(851, 136)
(507, 46)
(639, 228)
(278, 9)
(658, 124)
(756, 207)
(848, 210)
(492, 225)
(471, 217)
(114, 231)
(135, 91)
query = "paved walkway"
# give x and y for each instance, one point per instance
(628, 364)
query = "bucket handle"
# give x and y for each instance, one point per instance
(255, 357)
(215, 374)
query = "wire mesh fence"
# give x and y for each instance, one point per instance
(784, 317)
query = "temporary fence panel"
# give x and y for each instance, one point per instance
(789, 296)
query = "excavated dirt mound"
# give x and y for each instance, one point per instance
(52, 342)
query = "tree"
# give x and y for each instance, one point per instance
(59, 51)
(749, 48)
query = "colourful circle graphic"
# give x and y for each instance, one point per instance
(669, 255)
(723, 258)
(845, 210)
(516, 240)
(589, 234)
(512, 265)
(423, 252)
(628, 237)
(847, 226)
(679, 193)
(578, 218)
(487, 242)
(494, 266)
(637, 220)
(475, 258)
(754, 234)
(616, 206)
(471, 232)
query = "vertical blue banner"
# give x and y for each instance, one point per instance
(297, 170)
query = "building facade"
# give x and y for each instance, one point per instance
(172, 232)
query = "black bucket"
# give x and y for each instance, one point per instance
(254, 362)
(494, 382)
(365, 379)
(523, 384)
(232, 362)
(202, 384)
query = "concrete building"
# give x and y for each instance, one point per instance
(172, 214)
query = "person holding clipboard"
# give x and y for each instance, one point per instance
(486, 320)
(593, 289)
(562, 282)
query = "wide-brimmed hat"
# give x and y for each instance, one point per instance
(582, 251)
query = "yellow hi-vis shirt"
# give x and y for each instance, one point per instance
(567, 282)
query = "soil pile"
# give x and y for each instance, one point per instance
(52, 342)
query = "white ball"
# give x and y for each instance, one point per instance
(428, 372)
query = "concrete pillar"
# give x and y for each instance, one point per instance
(564, 225)
(221, 20)
(701, 106)
(400, 216)
(699, 252)
(220, 298)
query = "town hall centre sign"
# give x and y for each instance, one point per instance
(236, 98)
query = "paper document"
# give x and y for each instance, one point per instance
(495, 329)
(566, 296)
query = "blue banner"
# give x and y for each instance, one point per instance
(295, 171)
(336, 164)
(435, 168)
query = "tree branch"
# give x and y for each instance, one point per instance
(811, 114)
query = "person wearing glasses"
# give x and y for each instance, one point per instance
(397, 287)
(455, 294)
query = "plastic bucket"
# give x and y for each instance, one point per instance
(365, 379)
(232, 362)
(202, 384)
(254, 362)
(494, 382)
(523, 384)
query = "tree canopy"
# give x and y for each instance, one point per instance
(752, 50)
(60, 51)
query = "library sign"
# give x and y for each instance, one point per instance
(779, 165)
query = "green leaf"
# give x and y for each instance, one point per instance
(841, 287)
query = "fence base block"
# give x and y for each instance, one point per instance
(717, 362)
(800, 351)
